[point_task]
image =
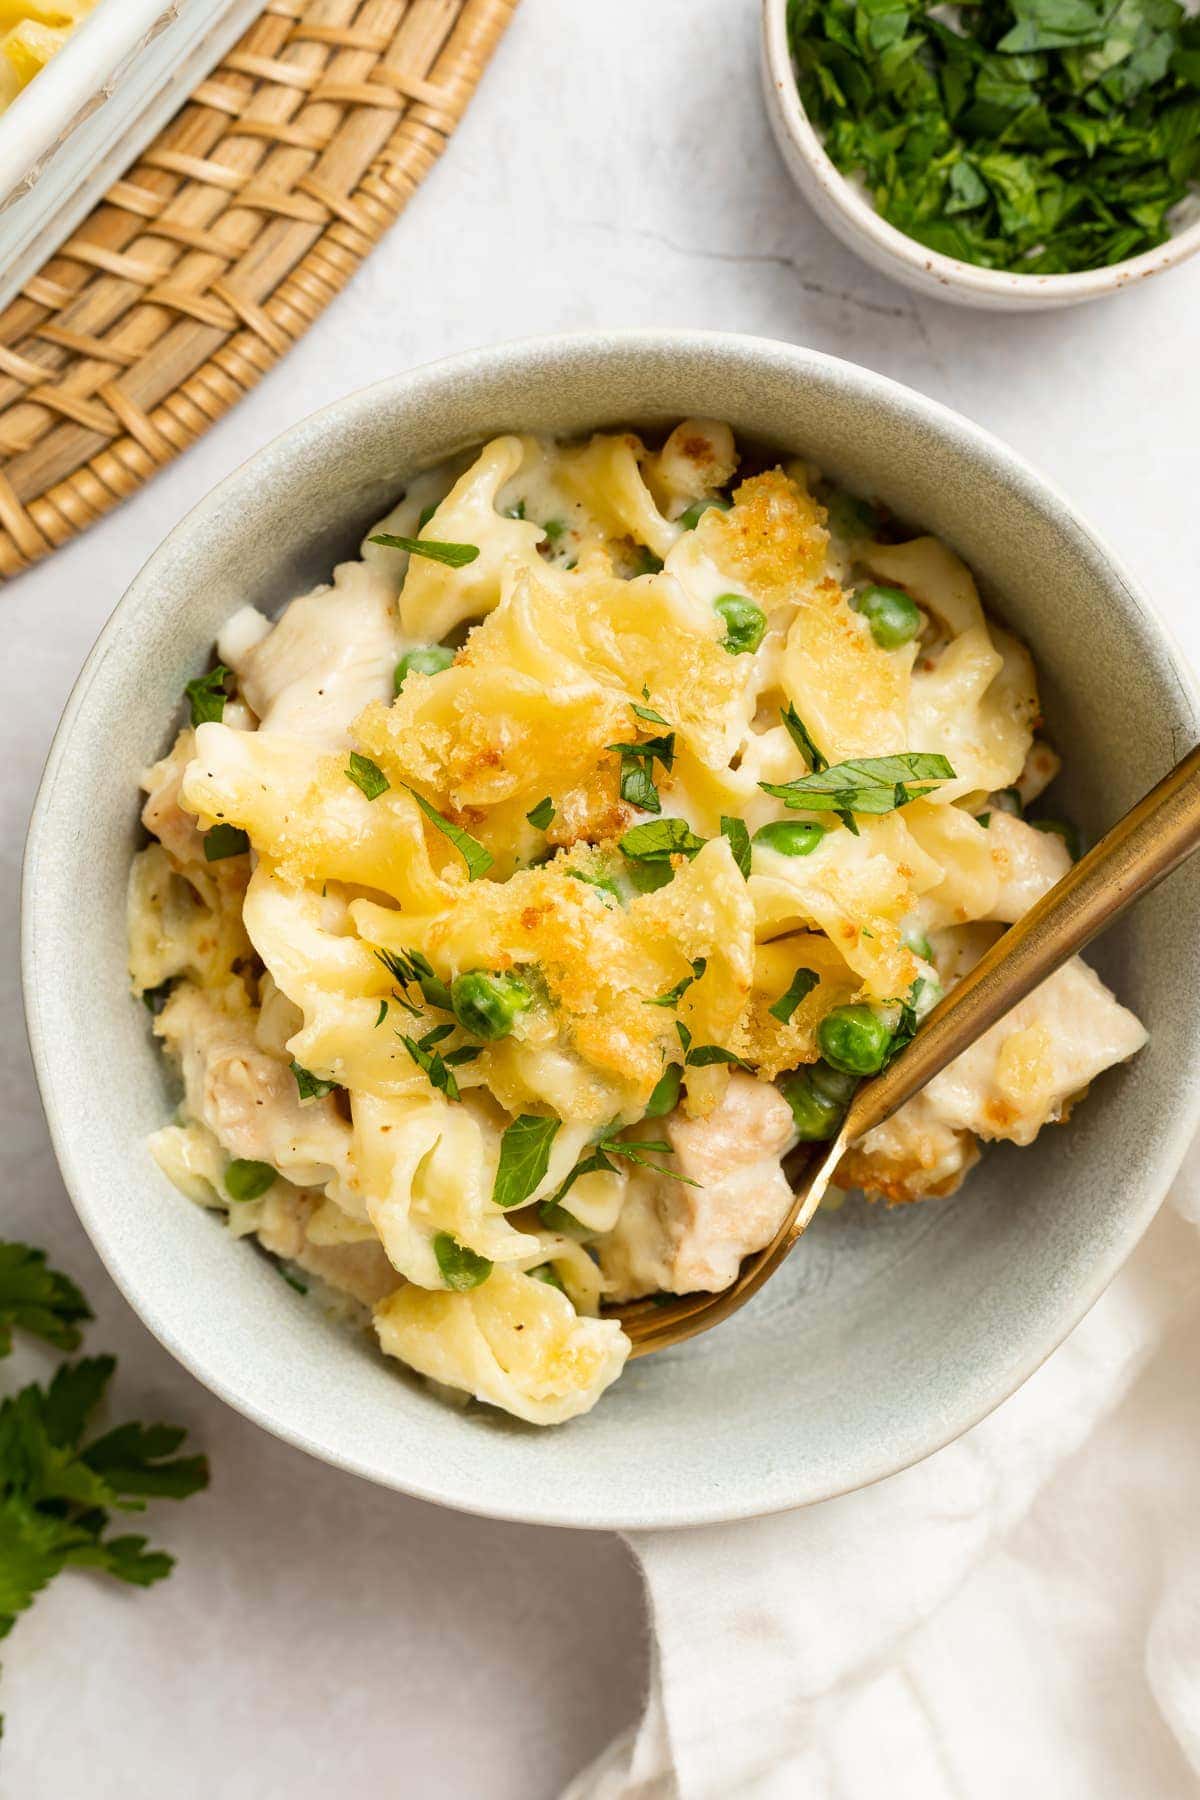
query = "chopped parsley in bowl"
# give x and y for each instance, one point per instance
(1015, 151)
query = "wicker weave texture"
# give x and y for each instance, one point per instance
(236, 227)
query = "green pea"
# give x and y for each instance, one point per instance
(745, 623)
(431, 659)
(791, 837)
(854, 1039)
(835, 1084)
(488, 1005)
(849, 517)
(816, 1116)
(1064, 829)
(894, 618)
(246, 1180)
(691, 518)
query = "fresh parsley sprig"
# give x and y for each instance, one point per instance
(524, 1158)
(59, 1483)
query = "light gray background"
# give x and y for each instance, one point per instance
(615, 169)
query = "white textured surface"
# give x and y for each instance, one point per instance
(615, 169)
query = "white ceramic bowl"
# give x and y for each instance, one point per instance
(888, 1333)
(849, 215)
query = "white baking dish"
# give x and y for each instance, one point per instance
(82, 121)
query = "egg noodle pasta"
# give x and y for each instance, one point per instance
(517, 900)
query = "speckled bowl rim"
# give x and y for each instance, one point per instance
(927, 265)
(531, 356)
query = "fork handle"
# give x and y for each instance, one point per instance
(1143, 847)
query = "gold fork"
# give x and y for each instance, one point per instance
(1151, 840)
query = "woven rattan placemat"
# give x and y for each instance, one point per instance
(218, 249)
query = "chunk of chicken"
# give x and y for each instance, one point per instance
(1028, 862)
(1024, 1073)
(331, 652)
(681, 1239)
(361, 1270)
(162, 814)
(247, 1098)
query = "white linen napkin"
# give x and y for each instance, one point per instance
(1019, 1614)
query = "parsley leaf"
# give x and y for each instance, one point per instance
(739, 842)
(367, 775)
(869, 784)
(477, 859)
(40, 1300)
(542, 813)
(802, 738)
(310, 1086)
(702, 1056)
(637, 770)
(803, 982)
(455, 556)
(224, 840)
(434, 1064)
(410, 968)
(660, 839)
(524, 1158)
(461, 1269)
(648, 713)
(674, 995)
(206, 695)
(665, 1096)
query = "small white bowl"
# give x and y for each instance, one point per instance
(849, 215)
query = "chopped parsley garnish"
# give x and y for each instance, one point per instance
(455, 556)
(542, 813)
(739, 842)
(1042, 136)
(310, 1086)
(665, 1096)
(598, 1160)
(659, 839)
(438, 1068)
(477, 859)
(637, 769)
(702, 1056)
(674, 995)
(410, 968)
(367, 775)
(869, 784)
(648, 713)
(555, 529)
(524, 1158)
(206, 696)
(224, 840)
(461, 1269)
(802, 983)
(383, 1013)
(800, 735)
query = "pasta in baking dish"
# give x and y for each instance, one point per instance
(515, 902)
(31, 32)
